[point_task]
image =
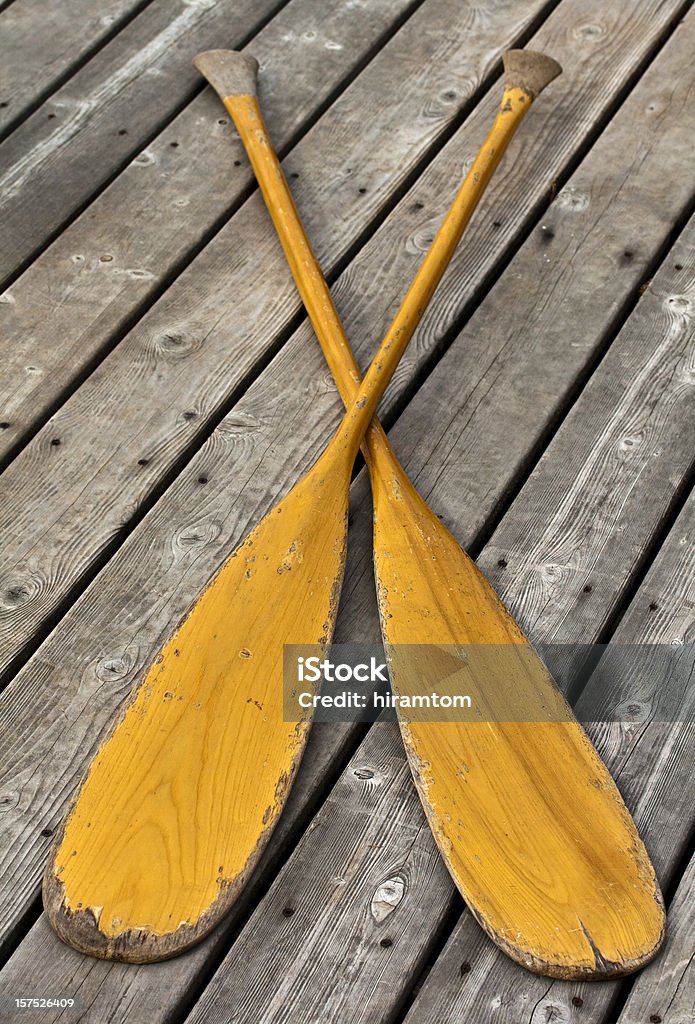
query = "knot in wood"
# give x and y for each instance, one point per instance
(23, 586)
(387, 897)
(572, 199)
(113, 669)
(195, 536)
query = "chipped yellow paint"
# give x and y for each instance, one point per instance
(526, 815)
(178, 801)
(528, 819)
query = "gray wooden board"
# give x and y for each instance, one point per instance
(43, 42)
(195, 530)
(80, 136)
(366, 885)
(336, 933)
(665, 990)
(94, 279)
(154, 396)
(652, 762)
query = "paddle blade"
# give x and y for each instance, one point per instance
(181, 799)
(529, 821)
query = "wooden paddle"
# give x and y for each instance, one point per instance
(181, 798)
(528, 820)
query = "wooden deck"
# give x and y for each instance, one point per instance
(156, 365)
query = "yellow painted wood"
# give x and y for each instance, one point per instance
(181, 798)
(528, 819)
(178, 802)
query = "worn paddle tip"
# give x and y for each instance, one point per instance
(229, 72)
(529, 70)
(597, 967)
(82, 928)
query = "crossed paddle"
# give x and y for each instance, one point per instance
(181, 798)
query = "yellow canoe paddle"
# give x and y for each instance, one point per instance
(181, 798)
(530, 823)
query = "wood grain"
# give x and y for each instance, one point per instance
(70, 147)
(99, 275)
(366, 813)
(667, 989)
(106, 990)
(132, 992)
(127, 619)
(192, 530)
(43, 42)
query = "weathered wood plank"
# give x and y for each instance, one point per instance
(335, 930)
(196, 526)
(349, 884)
(42, 42)
(665, 991)
(150, 402)
(73, 301)
(93, 125)
(157, 393)
(652, 762)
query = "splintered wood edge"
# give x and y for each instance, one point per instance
(229, 72)
(529, 70)
(80, 928)
(603, 970)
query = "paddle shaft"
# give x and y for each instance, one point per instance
(222, 70)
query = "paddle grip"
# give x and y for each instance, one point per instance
(229, 72)
(529, 70)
